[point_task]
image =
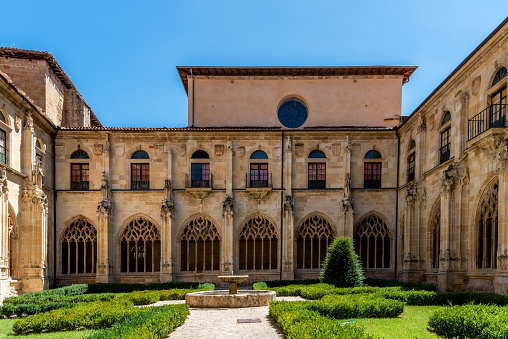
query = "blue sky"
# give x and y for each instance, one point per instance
(121, 55)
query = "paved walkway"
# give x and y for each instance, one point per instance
(223, 323)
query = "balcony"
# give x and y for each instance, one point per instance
(492, 116)
(258, 180)
(198, 181)
(79, 185)
(140, 185)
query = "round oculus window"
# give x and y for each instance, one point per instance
(292, 113)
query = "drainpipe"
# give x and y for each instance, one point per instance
(397, 207)
(281, 203)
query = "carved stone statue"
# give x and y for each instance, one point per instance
(347, 186)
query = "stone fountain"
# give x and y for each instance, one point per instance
(232, 298)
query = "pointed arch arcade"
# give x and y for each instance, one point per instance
(140, 246)
(487, 227)
(258, 244)
(200, 245)
(79, 247)
(435, 228)
(372, 240)
(313, 237)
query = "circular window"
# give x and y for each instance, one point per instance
(292, 113)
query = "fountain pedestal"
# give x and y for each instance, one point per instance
(233, 281)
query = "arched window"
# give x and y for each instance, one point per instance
(3, 146)
(372, 242)
(316, 171)
(2, 117)
(14, 255)
(258, 245)
(312, 241)
(140, 247)
(435, 226)
(372, 170)
(200, 170)
(140, 172)
(412, 144)
(79, 154)
(500, 74)
(411, 161)
(487, 226)
(445, 139)
(200, 246)
(79, 248)
(258, 175)
(80, 172)
(447, 117)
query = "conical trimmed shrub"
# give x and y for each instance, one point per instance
(341, 266)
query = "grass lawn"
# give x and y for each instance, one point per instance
(410, 324)
(6, 332)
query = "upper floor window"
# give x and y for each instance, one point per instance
(140, 172)
(200, 171)
(258, 175)
(316, 170)
(80, 172)
(292, 113)
(372, 170)
(445, 139)
(412, 144)
(411, 167)
(498, 102)
(500, 75)
(3, 146)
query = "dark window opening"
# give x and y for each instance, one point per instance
(445, 145)
(80, 177)
(200, 175)
(140, 176)
(411, 168)
(372, 175)
(258, 175)
(316, 175)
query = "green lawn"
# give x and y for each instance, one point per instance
(6, 332)
(410, 324)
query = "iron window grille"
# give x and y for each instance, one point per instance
(316, 175)
(411, 168)
(80, 177)
(445, 145)
(372, 175)
(140, 176)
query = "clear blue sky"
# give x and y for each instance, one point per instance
(121, 55)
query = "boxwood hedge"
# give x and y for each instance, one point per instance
(357, 306)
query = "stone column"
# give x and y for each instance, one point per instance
(4, 235)
(408, 240)
(105, 272)
(228, 264)
(288, 219)
(459, 127)
(347, 197)
(501, 279)
(167, 210)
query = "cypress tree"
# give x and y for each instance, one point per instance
(342, 266)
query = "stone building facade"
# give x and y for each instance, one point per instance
(275, 163)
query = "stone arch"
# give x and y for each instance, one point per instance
(88, 150)
(373, 240)
(200, 242)
(258, 231)
(259, 148)
(14, 245)
(6, 117)
(494, 73)
(374, 150)
(78, 246)
(434, 229)
(291, 96)
(322, 150)
(139, 242)
(486, 225)
(313, 235)
(200, 147)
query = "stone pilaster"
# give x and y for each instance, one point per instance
(501, 279)
(4, 235)
(288, 238)
(167, 210)
(105, 272)
(347, 197)
(228, 263)
(460, 122)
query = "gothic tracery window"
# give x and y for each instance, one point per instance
(140, 245)
(79, 248)
(435, 224)
(372, 242)
(312, 241)
(487, 226)
(200, 246)
(258, 245)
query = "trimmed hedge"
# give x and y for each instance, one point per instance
(9, 310)
(428, 298)
(154, 322)
(150, 297)
(357, 306)
(280, 283)
(471, 321)
(375, 282)
(127, 288)
(57, 292)
(299, 322)
(84, 315)
(60, 298)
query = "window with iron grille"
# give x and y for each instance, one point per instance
(3, 147)
(317, 175)
(140, 176)
(200, 175)
(258, 175)
(372, 175)
(411, 167)
(445, 145)
(80, 177)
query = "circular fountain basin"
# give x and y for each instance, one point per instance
(222, 299)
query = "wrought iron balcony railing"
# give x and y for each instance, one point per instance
(198, 183)
(255, 180)
(140, 185)
(80, 185)
(492, 116)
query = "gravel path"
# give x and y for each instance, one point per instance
(223, 323)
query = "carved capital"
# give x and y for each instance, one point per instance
(228, 206)
(347, 204)
(289, 203)
(29, 123)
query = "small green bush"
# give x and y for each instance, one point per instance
(19, 310)
(471, 321)
(154, 322)
(297, 321)
(341, 266)
(93, 315)
(376, 282)
(143, 297)
(57, 292)
(39, 300)
(357, 306)
(127, 288)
